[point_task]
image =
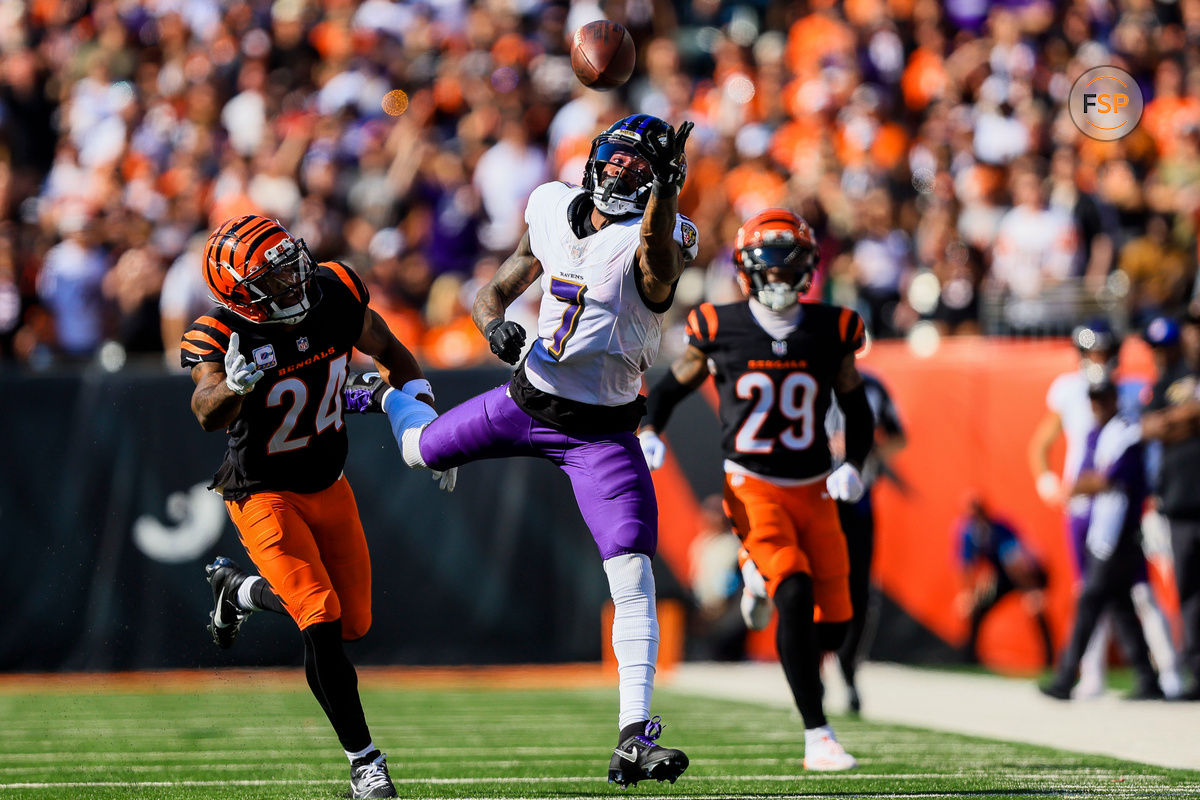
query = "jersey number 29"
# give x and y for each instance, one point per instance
(795, 400)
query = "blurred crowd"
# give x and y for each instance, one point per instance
(928, 143)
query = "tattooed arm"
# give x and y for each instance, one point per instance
(515, 275)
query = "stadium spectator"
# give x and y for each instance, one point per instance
(1112, 474)
(1035, 250)
(858, 518)
(185, 114)
(1173, 417)
(69, 285)
(995, 563)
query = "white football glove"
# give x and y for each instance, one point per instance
(755, 605)
(1049, 488)
(653, 448)
(845, 484)
(240, 377)
(447, 479)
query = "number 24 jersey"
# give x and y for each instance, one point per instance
(774, 394)
(290, 434)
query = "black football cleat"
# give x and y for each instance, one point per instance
(640, 758)
(1056, 689)
(364, 392)
(369, 777)
(227, 616)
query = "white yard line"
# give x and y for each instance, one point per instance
(1166, 734)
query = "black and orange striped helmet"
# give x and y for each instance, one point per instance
(776, 254)
(258, 270)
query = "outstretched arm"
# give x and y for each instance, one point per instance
(660, 261)
(685, 375)
(395, 362)
(516, 274)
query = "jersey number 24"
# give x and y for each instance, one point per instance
(329, 412)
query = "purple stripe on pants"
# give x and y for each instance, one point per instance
(608, 472)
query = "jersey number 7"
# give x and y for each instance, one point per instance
(570, 293)
(794, 400)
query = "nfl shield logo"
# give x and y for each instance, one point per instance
(302, 343)
(779, 348)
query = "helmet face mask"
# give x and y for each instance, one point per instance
(776, 256)
(258, 271)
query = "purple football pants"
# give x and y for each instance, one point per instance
(608, 472)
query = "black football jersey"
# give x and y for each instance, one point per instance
(774, 395)
(289, 434)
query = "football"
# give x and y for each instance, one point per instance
(602, 55)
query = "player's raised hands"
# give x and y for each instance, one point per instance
(506, 338)
(665, 153)
(240, 377)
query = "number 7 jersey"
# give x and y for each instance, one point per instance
(774, 394)
(596, 334)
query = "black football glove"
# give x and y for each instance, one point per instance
(506, 339)
(665, 153)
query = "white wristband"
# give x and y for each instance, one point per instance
(418, 386)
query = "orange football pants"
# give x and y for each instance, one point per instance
(312, 550)
(790, 529)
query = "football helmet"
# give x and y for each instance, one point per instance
(776, 254)
(259, 271)
(617, 174)
(1097, 338)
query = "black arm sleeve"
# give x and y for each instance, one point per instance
(860, 424)
(663, 398)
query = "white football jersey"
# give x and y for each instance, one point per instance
(595, 334)
(1068, 397)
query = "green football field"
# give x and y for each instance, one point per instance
(500, 743)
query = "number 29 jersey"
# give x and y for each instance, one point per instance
(290, 434)
(774, 394)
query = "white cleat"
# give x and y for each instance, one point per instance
(824, 753)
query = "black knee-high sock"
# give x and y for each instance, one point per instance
(334, 683)
(799, 651)
(264, 597)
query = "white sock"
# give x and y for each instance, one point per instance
(1158, 637)
(366, 751)
(634, 633)
(243, 594)
(1093, 665)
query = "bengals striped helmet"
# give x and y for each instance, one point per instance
(776, 254)
(258, 270)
